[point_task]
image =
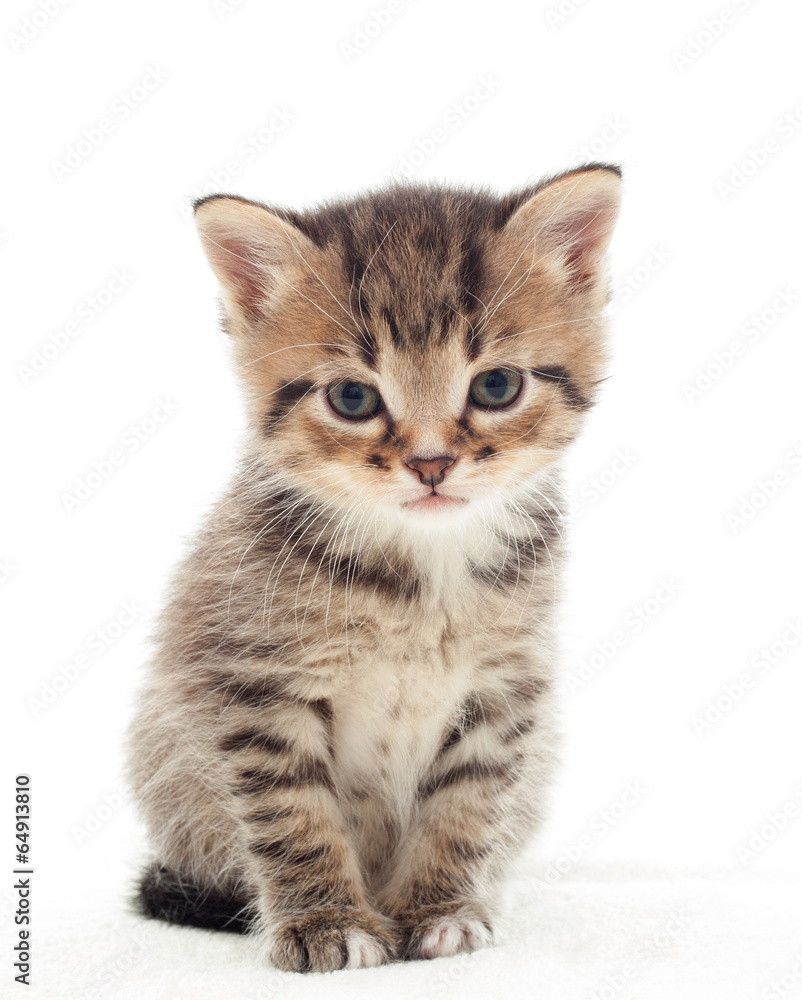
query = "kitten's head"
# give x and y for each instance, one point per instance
(422, 352)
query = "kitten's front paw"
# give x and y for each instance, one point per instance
(445, 929)
(325, 940)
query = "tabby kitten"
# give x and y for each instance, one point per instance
(347, 732)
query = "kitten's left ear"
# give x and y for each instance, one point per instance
(250, 249)
(571, 220)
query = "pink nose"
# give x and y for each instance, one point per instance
(432, 471)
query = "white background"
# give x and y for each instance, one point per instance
(708, 239)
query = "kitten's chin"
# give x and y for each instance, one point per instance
(434, 502)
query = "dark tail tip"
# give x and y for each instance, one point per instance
(165, 895)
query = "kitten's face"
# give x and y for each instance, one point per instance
(420, 353)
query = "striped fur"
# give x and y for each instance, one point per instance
(347, 731)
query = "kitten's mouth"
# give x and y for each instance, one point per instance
(433, 501)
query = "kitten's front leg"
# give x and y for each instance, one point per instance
(475, 809)
(314, 911)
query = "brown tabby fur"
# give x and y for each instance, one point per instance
(347, 732)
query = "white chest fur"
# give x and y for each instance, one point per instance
(390, 717)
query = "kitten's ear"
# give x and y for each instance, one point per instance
(571, 220)
(249, 248)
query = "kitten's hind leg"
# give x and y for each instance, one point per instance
(167, 895)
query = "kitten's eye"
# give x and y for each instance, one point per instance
(496, 388)
(354, 400)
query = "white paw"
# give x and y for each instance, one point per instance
(363, 950)
(451, 936)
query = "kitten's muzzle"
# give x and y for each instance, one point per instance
(431, 471)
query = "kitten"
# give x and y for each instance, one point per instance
(347, 732)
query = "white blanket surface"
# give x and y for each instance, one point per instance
(599, 933)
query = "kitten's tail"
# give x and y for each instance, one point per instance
(167, 895)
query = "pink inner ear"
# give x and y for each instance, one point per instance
(239, 261)
(583, 235)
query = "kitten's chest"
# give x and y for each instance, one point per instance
(391, 713)
(407, 673)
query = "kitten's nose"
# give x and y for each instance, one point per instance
(432, 471)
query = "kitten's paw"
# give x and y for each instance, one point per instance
(325, 940)
(448, 929)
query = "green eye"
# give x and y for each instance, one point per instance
(496, 388)
(354, 400)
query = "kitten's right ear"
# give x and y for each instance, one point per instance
(249, 248)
